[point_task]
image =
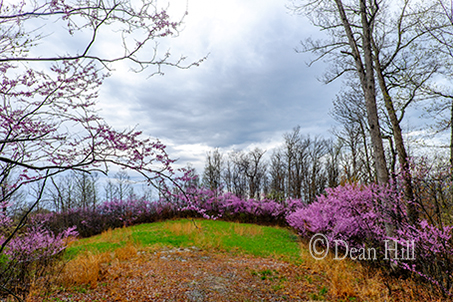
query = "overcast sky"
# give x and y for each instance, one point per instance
(252, 88)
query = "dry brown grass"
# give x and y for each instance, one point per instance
(182, 228)
(126, 252)
(173, 274)
(196, 234)
(346, 278)
(350, 279)
(191, 229)
(247, 229)
(201, 239)
(185, 274)
(85, 269)
(207, 243)
(117, 236)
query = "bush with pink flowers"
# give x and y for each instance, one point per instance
(362, 215)
(29, 254)
(357, 214)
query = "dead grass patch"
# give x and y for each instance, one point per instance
(347, 279)
(126, 252)
(182, 228)
(247, 229)
(118, 236)
(208, 242)
(85, 269)
(326, 279)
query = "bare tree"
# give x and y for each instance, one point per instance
(245, 173)
(278, 175)
(315, 178)
(254, 169)
(73, 190)
(349, 110)
(384, 45)
(304, 164)
(86, 189)
(439, 97)
(350, 46)
(333, 165)
(228, 174)
(60, 194)
(212, 174)
(296, 158)
(234, 176)
(119, 187)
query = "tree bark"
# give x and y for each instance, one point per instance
(367, 80)
(451, 151)
(399, 142)
(451, 136)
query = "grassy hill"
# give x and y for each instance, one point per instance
(92, 262)
(260, 241)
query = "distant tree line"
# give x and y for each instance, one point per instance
(301, 167)
(87, 190)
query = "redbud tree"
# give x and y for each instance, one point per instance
(48, 91)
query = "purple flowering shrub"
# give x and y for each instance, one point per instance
(227, 206)
(37, 244)
(109, 215)
(194, 203)
(358, 216)
(30, 254)
(433, 250)
(211, 205)
(348, 213)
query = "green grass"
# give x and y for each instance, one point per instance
(242, 238)
(346, 279)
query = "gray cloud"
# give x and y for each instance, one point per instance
(251, 89)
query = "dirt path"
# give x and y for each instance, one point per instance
(191, 274)
(195, 275)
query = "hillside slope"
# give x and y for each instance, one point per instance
(205, 260)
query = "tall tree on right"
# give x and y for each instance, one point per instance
(383, 44)
(350, 47)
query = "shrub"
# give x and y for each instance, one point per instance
(195, 203)
(349, 213)
(358, 215)
(29, 255)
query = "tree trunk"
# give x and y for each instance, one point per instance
(451, 152)
(367, 81)
(399, 142)
(366, 76)
(367, 156)
(451, 136)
